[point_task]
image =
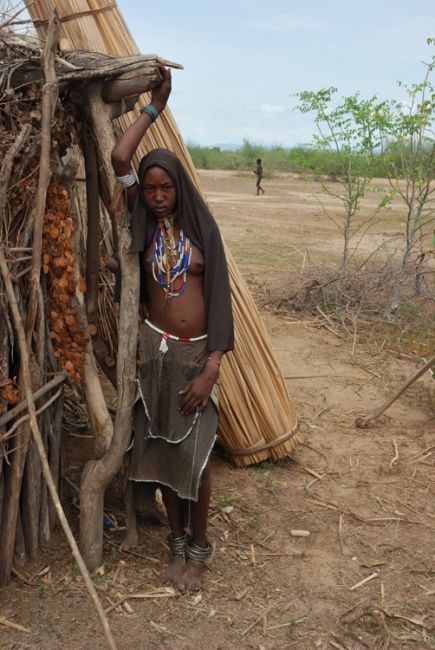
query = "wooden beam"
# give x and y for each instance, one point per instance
(129, 85)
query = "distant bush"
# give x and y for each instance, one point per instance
(214, 158)
(276, 160)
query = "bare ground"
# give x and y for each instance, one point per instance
(364, 577)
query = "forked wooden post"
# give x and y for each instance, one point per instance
(97, 474)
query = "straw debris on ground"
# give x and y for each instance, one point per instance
(266, 588)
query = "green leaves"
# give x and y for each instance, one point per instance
(350, 126)
(352, 129)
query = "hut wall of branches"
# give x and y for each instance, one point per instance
(46, 239)
(63, 232)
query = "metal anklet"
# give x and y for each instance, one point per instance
(177, 545)
(198, 553)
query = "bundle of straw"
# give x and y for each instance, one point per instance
(257, 418)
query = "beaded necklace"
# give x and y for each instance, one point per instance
(171, 261)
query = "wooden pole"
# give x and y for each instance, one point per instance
(49, 97)
(97, 474)
(99, 416)
(363, 422)
(93, 242)
(31, 483)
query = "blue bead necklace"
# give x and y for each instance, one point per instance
(171, 260)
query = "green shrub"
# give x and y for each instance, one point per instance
(282, 160)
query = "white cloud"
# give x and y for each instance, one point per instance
(271, 109)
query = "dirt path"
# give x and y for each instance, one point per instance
(364, 496)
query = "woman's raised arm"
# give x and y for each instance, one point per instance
(129, 141)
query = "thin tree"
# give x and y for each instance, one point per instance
(408, 147)
(349, 130)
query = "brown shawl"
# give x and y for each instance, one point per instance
(195, 218)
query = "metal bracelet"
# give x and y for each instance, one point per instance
(177, 545)
(128, 180)
(198, 553)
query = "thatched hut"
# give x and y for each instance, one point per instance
(63, 232)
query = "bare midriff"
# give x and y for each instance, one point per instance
(182, 315)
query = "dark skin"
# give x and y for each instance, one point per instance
(183, 315)
(258, 171)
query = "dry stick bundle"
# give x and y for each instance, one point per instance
(25, 464)
(242, 429)
(25, 362)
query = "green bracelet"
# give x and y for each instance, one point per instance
(150, 110)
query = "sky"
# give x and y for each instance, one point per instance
(244, 60)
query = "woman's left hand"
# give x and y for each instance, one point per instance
(197, 392)
(160, 94)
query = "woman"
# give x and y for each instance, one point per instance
(188, 329)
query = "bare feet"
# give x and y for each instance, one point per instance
(196, 556)
(191, 580)
(173, 573)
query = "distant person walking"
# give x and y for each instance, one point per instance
(258, 171)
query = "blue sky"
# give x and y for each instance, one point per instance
(245, 58)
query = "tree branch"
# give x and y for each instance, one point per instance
(49, 97)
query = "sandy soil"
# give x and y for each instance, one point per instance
(364, 576)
